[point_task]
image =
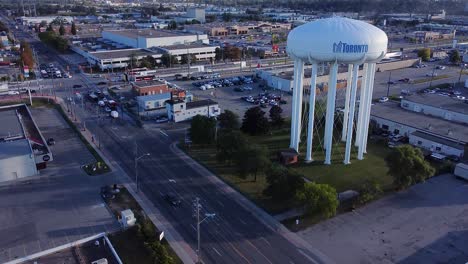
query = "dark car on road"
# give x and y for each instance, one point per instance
(101, 83)
(172, 199)
(50, 141)
(77, 86)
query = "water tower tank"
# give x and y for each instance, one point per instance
(337, 39)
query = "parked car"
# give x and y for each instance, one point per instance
(77, 86)
(383, 99)
(101, 83)
(13, 92)
(162, 120)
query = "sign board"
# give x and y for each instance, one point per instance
(161, 236)
(26, 71)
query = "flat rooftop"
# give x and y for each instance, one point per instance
(11, 125)
(433, 125)
(84, 253)
(147, 33)
(14, 148)
(147, 83)
(123, 53)
(189, 46)
(439, 101)
(201, 103)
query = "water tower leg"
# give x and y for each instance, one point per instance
(352, 106)
(293, 106)
(330, 115)
(346, 106)
(371, 90)
(363, 108)
(362, 104)
(310, 128)
(298, 98)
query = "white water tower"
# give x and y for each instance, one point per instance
(335, 40)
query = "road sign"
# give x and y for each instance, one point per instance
(161, 236)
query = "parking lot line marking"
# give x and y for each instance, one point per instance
(220, 203)
(217, 251)
(266, 241)
(193, 227)
(162, 132)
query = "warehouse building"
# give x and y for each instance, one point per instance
(148, 38)
(153, 87)
(445, 107)
(23, 150)
(199, 51)
(434, 134)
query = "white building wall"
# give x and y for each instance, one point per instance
(132, 42)
(434, 146)
(393, 126)
(17, 167)
(434, 111)
(168, 41)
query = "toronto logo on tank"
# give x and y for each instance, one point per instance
(342, 47)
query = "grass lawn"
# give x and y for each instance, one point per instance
(342, 177)
(428, 79)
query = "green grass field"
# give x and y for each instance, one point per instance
(428, 79)
(342, 177)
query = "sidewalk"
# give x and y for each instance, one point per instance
(263, 216)
(175, 240)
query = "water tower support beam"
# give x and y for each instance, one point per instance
(293, 105)
(369, 104)
(330, 115)
(362, 104)
(352, 107)
(298, 99)
(346, 106)
(310, 128)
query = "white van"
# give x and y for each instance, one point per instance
(461, 171)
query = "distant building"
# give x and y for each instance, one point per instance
(237, 28)
(178, 110)
(422, 36)
(147, 38)
(197, 14)
(200, 51)
(150, 103)
(47, 19)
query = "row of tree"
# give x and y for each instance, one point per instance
(53, 39)
(26, 54)
(426, 53)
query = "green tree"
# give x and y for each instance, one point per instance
(26, 54)
(61, 30)
(275, 116)
(229, 143)
(424, 54)
(318, 198)
(61, 44)
(218, 54)
(255, 122)
(369, 191)
(184, 59)
(133, 61)
(228, 120)
(73, 28)
(194, 21)
(455, 56)
(252, 160)
(50, 28)
(172, 25)
(407, 166)
(283, 184)
(226, 17)
(202, 129)
(168, 60)
(159, 253)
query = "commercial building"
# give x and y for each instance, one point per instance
(237, 28)
(148, 104)
(428, 132)
(148, 38)
(143, 88)
(23, 150)
(179, 110)
(193, 13)
(422, 36)
(444, 107)
(37, 20)
(199, 51)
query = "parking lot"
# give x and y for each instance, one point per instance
(60, 206)
(427, 223)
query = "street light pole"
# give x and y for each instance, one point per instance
(388, 83)
(136, 164)
(207, 215)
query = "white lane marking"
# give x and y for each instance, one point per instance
(193, 227)
(217, 252)
(307, 256)
(266, 241)
(220, 203)
(172, 180)
(162, 132)
(242, 221)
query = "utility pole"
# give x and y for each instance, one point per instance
(388, 83)
(197, 207)
(136, 164)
